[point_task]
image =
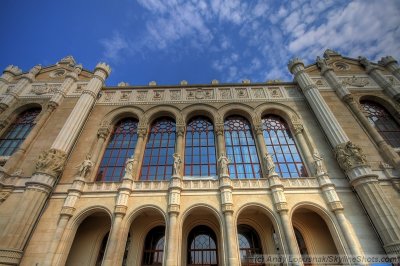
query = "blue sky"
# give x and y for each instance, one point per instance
(194, 40)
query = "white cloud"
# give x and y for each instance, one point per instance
(114, 46)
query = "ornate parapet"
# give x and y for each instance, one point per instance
(104, 68)
(294, 62)
(349, 156)
(51, 162)
(13, 70)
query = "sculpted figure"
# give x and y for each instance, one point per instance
(318, 161)
(130, 166)
(177, 163)
(223, 164)
(86, 166)
(270, 164)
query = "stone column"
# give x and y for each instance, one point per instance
(219, 131)
(225, 187)
(391, 65)
(102, 135)
(258, 130)
(345, 95)
(77, 118)
(352, 160)
(12, 96)
(48, 168)
(379, 78)
(179, 150)
(8, 75)
(335, 205)
(172, 240)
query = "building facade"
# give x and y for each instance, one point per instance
(217, 174)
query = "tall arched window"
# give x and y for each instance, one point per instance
(18, 131)
(281, 145)
(241, 148)
(249, 246)
(158, 161)
(383, 122)
(154, 247)
(120, 147)
(202, 246)
(200, 158)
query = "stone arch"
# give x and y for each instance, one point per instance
(201, 214)
(163, 110)
(12, 115)
(207, 111)
(265, 223)
(117, 114)
(84, 235)
(288, 114)
(237, 109)
(138, 224)
(327, 222)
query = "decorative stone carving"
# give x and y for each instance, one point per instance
(3, 160)
(4, 195)
(223, 165)
(152, 83)
(349, 155)
(219, 129)
(330, 52)
(225, 94)
(177, 164)
(275, 92)
(241, 93)
(69, 59)
(39, 89)
(85, 167)
(123, 84)
(51, 162)
(318, 163)
(141, 95)
(258, 93)
(341, 66)
(175, 95)
(214, 82)
(199, 94)
(356, 81)
(142, 132)
(130, 167)
(108, 96)
(298, 128)
(124, 96)
(321, 63)
(58, 73)
(184, 82)
(158, 95)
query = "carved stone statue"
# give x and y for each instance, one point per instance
(86, 166)
(130, 166)
(318, 162)
(321, 63)
(269, 162)
(349, 155)
(223, 165)
(177, 163)
(51, 162)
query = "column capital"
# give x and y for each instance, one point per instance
(142, 131)
(293, 63)
(103, 132)
(219, 129)
(258, 129)
(13, 70)
(387, 60)
(51, 162)
(349, 156)
(180, 130)
(322, 64)
(102, 70)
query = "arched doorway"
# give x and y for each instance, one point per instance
(202, 248)
(90, 240)
(249, 245)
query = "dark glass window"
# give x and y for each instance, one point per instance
(302, 246)
(281, 145)
(154, 247)
(241, 148)
(18, 131)
(120, 147)
(200, 158)
(249, 246)
(202, 246)
(383, 122)
(158, 161)
(102, 250)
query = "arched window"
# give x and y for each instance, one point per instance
(18, 131)
(249, 246)
(120, 147)
(200, 158)
(302, 246)
(281, 145)
(202, 246)
(154, 247)
(158, 161)
(241, 148)
(383, 122)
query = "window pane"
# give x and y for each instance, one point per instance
(240, 147)
(18, 131)
(159, 150)
(120, 147)
(281, 145)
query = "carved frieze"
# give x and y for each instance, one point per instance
(141, 96)
(258, 93)
(158, 95)
(349, 155)
(200, 94)
(275, 92)
(175, 95)
(241, 93)
(356, 81)
(225, 94)
(51, 162)
(124, 96)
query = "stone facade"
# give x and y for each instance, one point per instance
(54, 212)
